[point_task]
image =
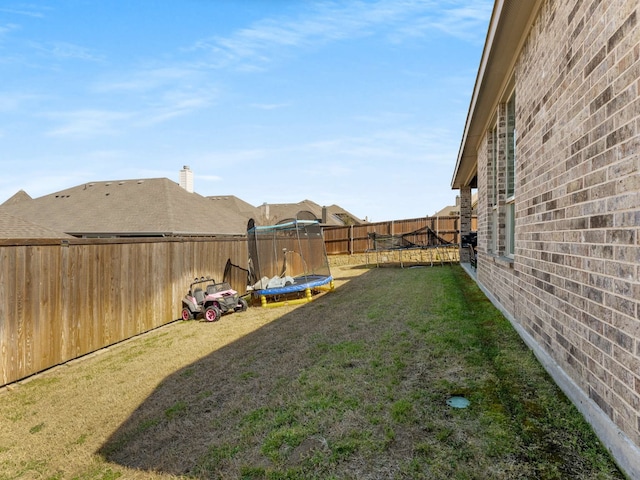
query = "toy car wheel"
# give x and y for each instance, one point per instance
(186, 314)
(212, 314)
(242, 303)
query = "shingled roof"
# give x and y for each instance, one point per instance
(235, 204)
(20, 196)
(18, 228)
(143, 207)
(273, 213)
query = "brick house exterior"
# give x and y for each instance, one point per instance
(552, 144)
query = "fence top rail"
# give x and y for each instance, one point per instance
(20, 242)
(387, 222)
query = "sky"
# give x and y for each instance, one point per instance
(361, 104)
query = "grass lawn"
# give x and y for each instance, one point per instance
(351, 386)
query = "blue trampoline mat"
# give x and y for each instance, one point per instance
(301, 283)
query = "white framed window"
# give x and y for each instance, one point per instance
(510, 180)
(495, 229)
(493, 171)
(510, 229)
(493, 190)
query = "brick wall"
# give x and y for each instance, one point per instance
(573, 282)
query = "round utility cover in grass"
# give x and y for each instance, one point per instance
(458, 402)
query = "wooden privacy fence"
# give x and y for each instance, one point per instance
(355, 238)
(60, 300)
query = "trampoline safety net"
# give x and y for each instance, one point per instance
(287, 257)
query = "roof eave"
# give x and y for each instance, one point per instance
(508, 28)
(125, 234)
(98, 234)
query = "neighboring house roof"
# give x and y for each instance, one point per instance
(18, 197)
(154, 207)
(235, 204)
(454, 210)
(142, 207)
(347, 218)
(272, 213)
(15, 227)
(448, 211)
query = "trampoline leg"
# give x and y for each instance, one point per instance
(307, 294)
(263, 300)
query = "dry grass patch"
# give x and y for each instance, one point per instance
(353, 385)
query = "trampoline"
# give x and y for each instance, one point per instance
(287, 262)
(422, 247)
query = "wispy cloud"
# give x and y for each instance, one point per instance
(458, 19)
(344, 156)
(149, 78)
(13, 101)
(64, 50)
(255, 47)
(98, 122)
(269, 106)
(86, 123)
(208, 178)
(53, 53)
(25, 10)
(387, 146)
(8, 28)
(162, 92)
(170, 89)
(175, 103)
(325, 22)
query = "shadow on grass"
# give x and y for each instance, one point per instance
(203, 404)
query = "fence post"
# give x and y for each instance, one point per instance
(351, 239)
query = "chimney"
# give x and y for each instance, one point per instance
(186, 179)
(265, 210)
(324, 215)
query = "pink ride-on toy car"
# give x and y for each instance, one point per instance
(212, 302)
